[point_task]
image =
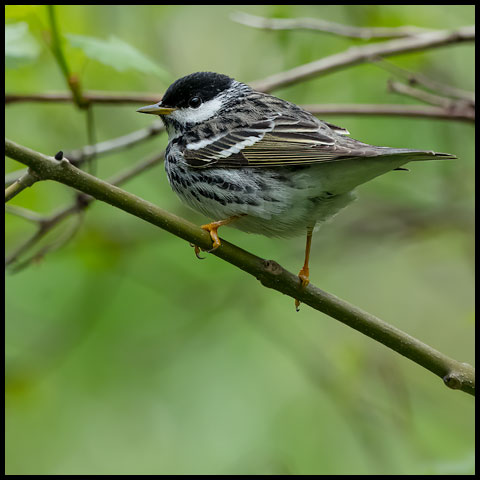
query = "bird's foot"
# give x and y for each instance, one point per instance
(212, 229)
(303, 275)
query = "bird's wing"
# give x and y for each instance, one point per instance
(277, 141)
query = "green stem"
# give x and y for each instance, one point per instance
(57, 49)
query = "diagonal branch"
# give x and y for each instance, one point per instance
(363, 54)
(25, 180)
(416, 78)
(421, 95)
(116, 144)
(450, 106)
(47, 223)
(455, 375)
(319, 25)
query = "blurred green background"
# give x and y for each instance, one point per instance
(126, 355)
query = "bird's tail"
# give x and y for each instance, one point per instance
(417, 155)
(340, 179)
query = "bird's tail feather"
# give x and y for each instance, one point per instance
(338, 178)
(419, 155)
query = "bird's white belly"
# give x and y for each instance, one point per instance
(277, 202)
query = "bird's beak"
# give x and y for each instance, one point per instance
(156, 109)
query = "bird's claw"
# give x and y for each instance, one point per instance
(197, 250)
(211, 228)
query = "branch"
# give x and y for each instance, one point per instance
(91, 96)
(60, 241)
(322, 109)
(24, 213)
(416, 78)
(418, 94)
(363, 54)
(47, 223)
(455, 375)
(115, 144)
(27, 179)
(323, 26)
(454, 107)
(463, 114)
(81, 155)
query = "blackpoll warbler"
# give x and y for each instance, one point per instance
(262, 164)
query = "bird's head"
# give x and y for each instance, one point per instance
(194, 99)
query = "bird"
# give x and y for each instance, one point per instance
(262, 164)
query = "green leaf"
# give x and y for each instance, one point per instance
(21, 47)
(21, 11)
(117, 54)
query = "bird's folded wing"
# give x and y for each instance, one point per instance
(272, 142)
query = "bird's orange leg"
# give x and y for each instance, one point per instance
(212, 229)
(304, 273)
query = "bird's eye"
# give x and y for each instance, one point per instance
(195, 102)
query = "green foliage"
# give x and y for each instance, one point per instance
(21, 47)
(16, 12)
(117, 54)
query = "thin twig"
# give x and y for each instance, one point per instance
(12, 177)
(56, 245)
(82, 201)
(416, 78)
(319, 25)
(418, 94)
(363, 54)
(27, 179)
(81, 155)
(451, 106)
(424, 111)
(115, 144)
(455, 375)
(44, 226)
(92, 96)
(24, 213)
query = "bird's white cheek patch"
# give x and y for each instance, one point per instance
(197, 115)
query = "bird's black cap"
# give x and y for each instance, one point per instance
(205, 85)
